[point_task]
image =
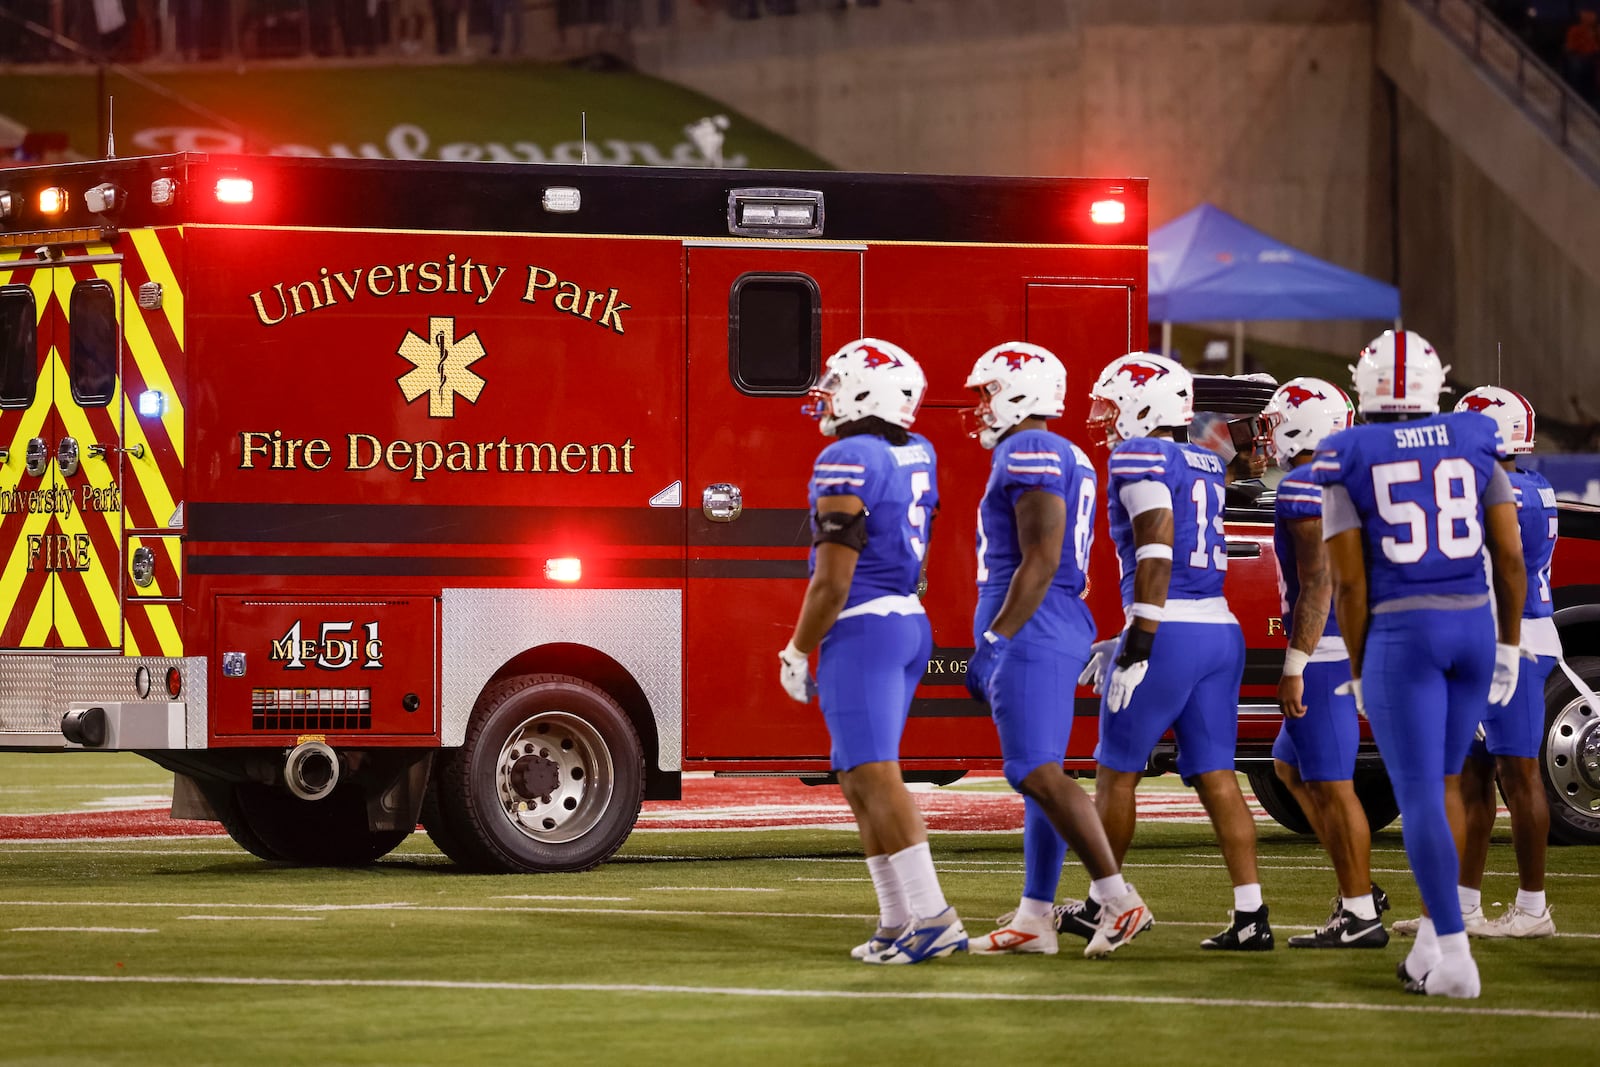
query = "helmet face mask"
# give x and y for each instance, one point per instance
(867, 378)
(1140, 393)
(1399, 374)
(1301, 414)
(1015, 381)
(1512, 414)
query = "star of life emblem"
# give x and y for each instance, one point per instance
(441, 367)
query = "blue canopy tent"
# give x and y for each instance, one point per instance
(1207, 266)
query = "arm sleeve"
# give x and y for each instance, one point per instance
(1499, 490)
(1140, 497)
(1338, 511)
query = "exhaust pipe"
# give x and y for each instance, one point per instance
(311, 770)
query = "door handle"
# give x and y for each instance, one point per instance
(721, 502)
(1244, 549)
(99, 451)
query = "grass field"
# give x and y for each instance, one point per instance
(708, 947)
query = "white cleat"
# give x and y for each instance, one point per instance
(924, 939)
(1121, 920)
(1518, 923)
(881, 941)
(1475, 921)
(1018, 935)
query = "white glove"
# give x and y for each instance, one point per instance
(1101, 653)
(794, 671)
(1124, 680)
(1353, 688)
(1504, 684)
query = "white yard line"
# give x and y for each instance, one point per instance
(1231, 1004)
(707, 889)
(553, 896)
(83, 930)
(257, 918)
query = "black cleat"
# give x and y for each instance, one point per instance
(1344, 930)
(1412, 985)
(1249, 932)
(1080, 918)
(1380, 899)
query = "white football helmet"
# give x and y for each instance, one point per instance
(1138, 393)
(1510, 411)
(1015, 381)
(1399, 373)
(864, 378)
(1301, 413)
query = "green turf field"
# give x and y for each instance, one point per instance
(709, 948)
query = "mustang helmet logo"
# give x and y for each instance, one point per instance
(1295, 395)
(1482, 403)
(878, 358)
(1015, 359)
(1141, 373)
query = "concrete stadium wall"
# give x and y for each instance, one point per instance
(1271, 109)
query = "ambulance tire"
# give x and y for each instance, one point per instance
(224, 801)
(453, 840)
(542, 732)
(1276, 800)
(1569, 756)
(331, 832)
(1376, 794)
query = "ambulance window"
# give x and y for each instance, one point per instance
(19, 355)
(774, 334)
(92, 359)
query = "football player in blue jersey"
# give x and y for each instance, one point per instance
(1032, 633)
(1178, 663)
(1510, 735)
(1315, 752)
(1409, 502)
(873, 496)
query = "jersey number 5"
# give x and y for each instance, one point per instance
(916, 514)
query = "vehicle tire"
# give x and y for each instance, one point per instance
(224, 801)
(549, 778)
(331, 832)
(1276, 800)
(1569, 756)
(447, 837)
(1376, 794)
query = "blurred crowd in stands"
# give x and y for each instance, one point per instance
(132, 31)
(1564, 33)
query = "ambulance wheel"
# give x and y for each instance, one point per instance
(1376, 794)
(1569, 757)
(447, 837)
(549, 778)
(1276, 800)
(331, 832)
(224, 801)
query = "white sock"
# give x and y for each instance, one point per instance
(893, 912)
(1108, 888)
(1361, 907)
(1424, 955)
(1453, 945)
(1034, 909)
(1470, 898)
(1532, 903)
(1247, 897)
(914, 868)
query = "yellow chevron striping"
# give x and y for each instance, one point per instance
(145, 474)
(154, 258)
(38, 629)
(100, 579)
(163, 620)
(147, 356)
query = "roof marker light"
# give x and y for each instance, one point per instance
(563, 569)
(52, 201)
(235, 190)
(562, 200)
(8, 204)
(1107, 212)
(163, 190)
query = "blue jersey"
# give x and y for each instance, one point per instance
(1194, 477)
(1418, 488)
(1298, 498)
(1536, 514)
(1025, 461)
(899, 487)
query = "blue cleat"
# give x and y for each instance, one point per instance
(925, 939)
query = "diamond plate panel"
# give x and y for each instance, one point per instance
(35, 689)
(642, 629)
